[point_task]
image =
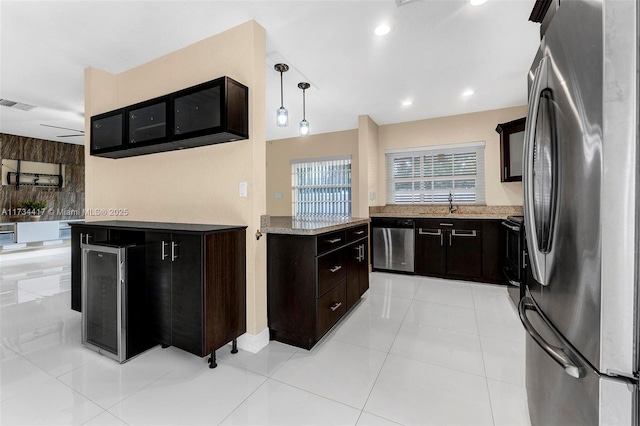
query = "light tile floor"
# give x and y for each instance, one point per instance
(413, 351)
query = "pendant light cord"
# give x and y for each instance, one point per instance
(304, 113)
(281, 97)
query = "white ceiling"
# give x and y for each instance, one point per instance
(436, 50)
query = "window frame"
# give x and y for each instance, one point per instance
(423, 180)
(327, 192)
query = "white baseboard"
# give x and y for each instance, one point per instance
(254, 342)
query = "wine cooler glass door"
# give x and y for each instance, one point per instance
(102, 295)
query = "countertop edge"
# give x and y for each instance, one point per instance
(496, 216)
(316, 228)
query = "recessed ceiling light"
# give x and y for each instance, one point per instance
(407, 102)
(382, 29)
(468, 92)
(477, 2)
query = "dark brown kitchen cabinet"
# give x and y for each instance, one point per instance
(213, 112)
(448, 248)
(199, 292)
(312, 281)
(195, 276)
(430, 251)
(511, 149)
(357, 272)
(464, 253)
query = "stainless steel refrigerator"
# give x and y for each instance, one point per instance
(581, 214)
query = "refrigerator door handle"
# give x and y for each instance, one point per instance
(527, 172)
(570, 366)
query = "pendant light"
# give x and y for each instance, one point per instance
(304, 124)
(282, 116)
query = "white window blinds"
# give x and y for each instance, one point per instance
(428, 175)
(321, 188)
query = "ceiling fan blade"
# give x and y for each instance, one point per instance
(63, 128)
(68, 136)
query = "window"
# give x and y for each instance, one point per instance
(322, 187)
(429, 175)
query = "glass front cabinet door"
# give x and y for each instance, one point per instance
(148, 122)
(107, 132)
(511, 146)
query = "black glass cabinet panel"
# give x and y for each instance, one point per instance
(107, 131)
(197, 111)
(148, 122)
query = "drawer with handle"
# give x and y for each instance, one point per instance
(357, 232)
(330, 241)
(332, 269)
(331, 307)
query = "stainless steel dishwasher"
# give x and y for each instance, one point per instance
(393, 244)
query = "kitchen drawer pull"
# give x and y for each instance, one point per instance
(335, 306)
(334, 240)
(463, 233)
(359, 232)
(446, 224)
(423, 231)
(335, 268)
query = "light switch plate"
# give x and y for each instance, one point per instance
(278, 195)
(242, 189)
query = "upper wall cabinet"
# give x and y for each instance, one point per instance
(213, 112)
(511, 148)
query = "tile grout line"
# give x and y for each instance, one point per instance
(387, 357)
(484, 366)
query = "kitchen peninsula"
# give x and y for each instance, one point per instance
(317, 271)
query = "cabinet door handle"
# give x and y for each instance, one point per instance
(424, 231)
(173, 251)
(335, 306)
(163, 255)
(334, 240)
(450, 239)
(463, 233)
(335, 268)
(506, 175)
(441, 239)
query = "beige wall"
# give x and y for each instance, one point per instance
(281, 152)
(198, 185)
(369, 147)
(474, 127)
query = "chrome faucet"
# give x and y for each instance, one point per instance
(451, 208)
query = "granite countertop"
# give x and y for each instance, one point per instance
(293, 226)
(461, 212)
